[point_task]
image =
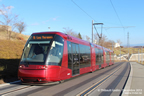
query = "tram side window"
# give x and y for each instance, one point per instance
(99, 56)
(69, 55)
(107, 57)
(112, 56)
(56, 51)
(85, 59)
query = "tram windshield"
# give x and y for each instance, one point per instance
(44, 51)
(36, 51)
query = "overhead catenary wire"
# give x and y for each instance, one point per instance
(116, 14)
(118, 18)
(86, 14)
(84, 11)
(95, 20)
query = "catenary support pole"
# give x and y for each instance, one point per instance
(92, 31)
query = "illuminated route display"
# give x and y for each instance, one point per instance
(42, 37)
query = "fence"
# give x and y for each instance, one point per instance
(133, 57)
(137, 57)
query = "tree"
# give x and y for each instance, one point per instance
(21, 27)
(2, 28)
(119, 41)
(95, 39)
(87, 38)
(70, 32)
(9, 20)
(79, 36)
(109, 44)
(102, 40)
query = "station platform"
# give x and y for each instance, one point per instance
(135, 83)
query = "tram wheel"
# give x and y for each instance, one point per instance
(61, 81)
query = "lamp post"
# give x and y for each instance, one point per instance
(120, 53)
(141, 55)
(92, 31)
(138, 56)
(49, 28)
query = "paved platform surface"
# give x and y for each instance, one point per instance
(135, 83)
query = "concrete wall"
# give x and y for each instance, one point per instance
(137, 57)
(133, 57)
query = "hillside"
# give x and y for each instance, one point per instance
(12, 49)
(10, 54)
(126, 50)
(14, 36)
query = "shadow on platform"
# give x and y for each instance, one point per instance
(9, 69)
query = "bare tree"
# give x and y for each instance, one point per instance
(87, 38)
(21, 27)
(102, 40)
(95, 39)
(109, 44)
(2, 28)
(9, 20)
(119, 41)
(70, 32)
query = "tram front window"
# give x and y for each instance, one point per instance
(35, 51)
(56, 51)
(49, 51)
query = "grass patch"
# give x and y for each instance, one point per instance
(140, 62)
(2, 68)
(14, 36)
(126, 50)
(11, 49)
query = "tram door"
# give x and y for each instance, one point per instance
(76, 60)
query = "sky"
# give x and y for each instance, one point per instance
(118, 16)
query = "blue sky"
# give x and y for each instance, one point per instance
(57, 14)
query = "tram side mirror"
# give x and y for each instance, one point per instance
(53, 44)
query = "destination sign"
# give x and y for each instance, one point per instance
(41, 37)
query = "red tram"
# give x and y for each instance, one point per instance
(54, 56)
